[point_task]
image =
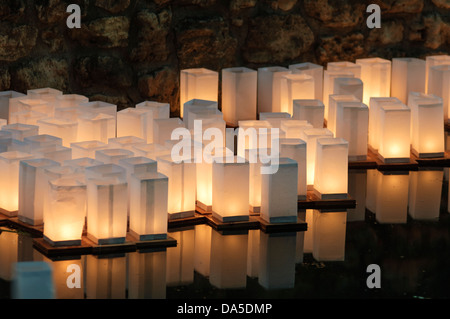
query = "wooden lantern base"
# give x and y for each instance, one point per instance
(63, 243)
(278, 227)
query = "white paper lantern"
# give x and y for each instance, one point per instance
(79, 164)
(9, 183)
(279, 193)
(349, 86)
(328, 86)
(31, 210)
(96, 126)
(65, 217)
(427, 128)
(67, 130)
(345, 66)
(376, 76)
(112, 155)
(182, 186)
(314, 70)
(151, 151)
(433, 60)
(275, 118)
(69, 100)
(310, 110)
(253, 134)
(332, 108)
(297, 86)
(148, 205)
(271, 97)
(408, 75)
(352, 124)
(19, 131)
(230, 198)
(5, 101)
(162, 129)
(125, 142)
(135, 122)
(439, 83)
(295, 148)
(294, 128)
(310, 136)
(239, 92)
(331, 169)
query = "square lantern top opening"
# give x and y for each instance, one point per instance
(373, 61)
(309, 103)
(425, 100)
(43, 140)
(58, 122)
(327, 142)
(155, 104)
(282, 161)
(105, 171)
(44, 91)
(228, 159)
(82, 162)
(124, 141)
(298, 77)
(149, 176)
(68, 181)
(11, 94)
(254, 123)
(311, 132)
(19, 127)
(274, 69)
(12, 156)
(348, 82)
(136, 160)
(239, 70)
(305, 66)
(96, 116)
(113, 152)
(70, 100)
(199, 71)
(292, 141)
(40, 162)
(89, 145)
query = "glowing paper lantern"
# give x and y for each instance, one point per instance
(394, 133)
(79, 164)
(427, 128)
(310, 136)
(99, 107)
(352, 124)
(376, 76)
(5, 97)
(297, 86)
(230, 199)
(112, 171)
(112, 155)
(270, 93)
(314, 70)
(106, 210)
(279, 193)
(47, 94)
(162, 129)
(26, 117)
(253, 134)
(274, 118)
(182, 186)
(294, 128)
(331, 169)
(295, 149)
(328, 86)
(96, 126)
(198, 83)
(374, 123)
(433, 60)
(392, 197)
(425, 190)
(228, 260)
(148, 205)
(439, 83)
(159, 110)
(332, 108)
(329, 235)
(67, 130)
(135, 122)
(69, 100)
(64, 219)
(57, 153)
(310, 110)
(9, 183)
(125, 142)
(408, 75)
(196, 114)
(86, 148)
(31, 210)
(19, 131)
(198, 105)
(349, 86)
(239, 91)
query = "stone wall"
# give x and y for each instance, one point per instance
(128, 51)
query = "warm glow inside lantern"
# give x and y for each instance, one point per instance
(310, 136)
(376, 76)
(99, 107)
(182, 186)
(148, 205)
(31, 197)
(198, 83)
(252, 135)
(433, 60)
(314, 70)
(198, 106)
(310, 110)
(9, 183)
(67, 130)
(408, 75)
(275, 118)
(427, 127)
(271, 97)
(135, 122)
(352, 124)
(297, 86)
(65, 217)
(331, 169)
(295, 148)
(349, 86)
(106, 210)
(294, 128)
(151, 151)
(279, 193)
(239, 91)
(230, 189)
(394, 133)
